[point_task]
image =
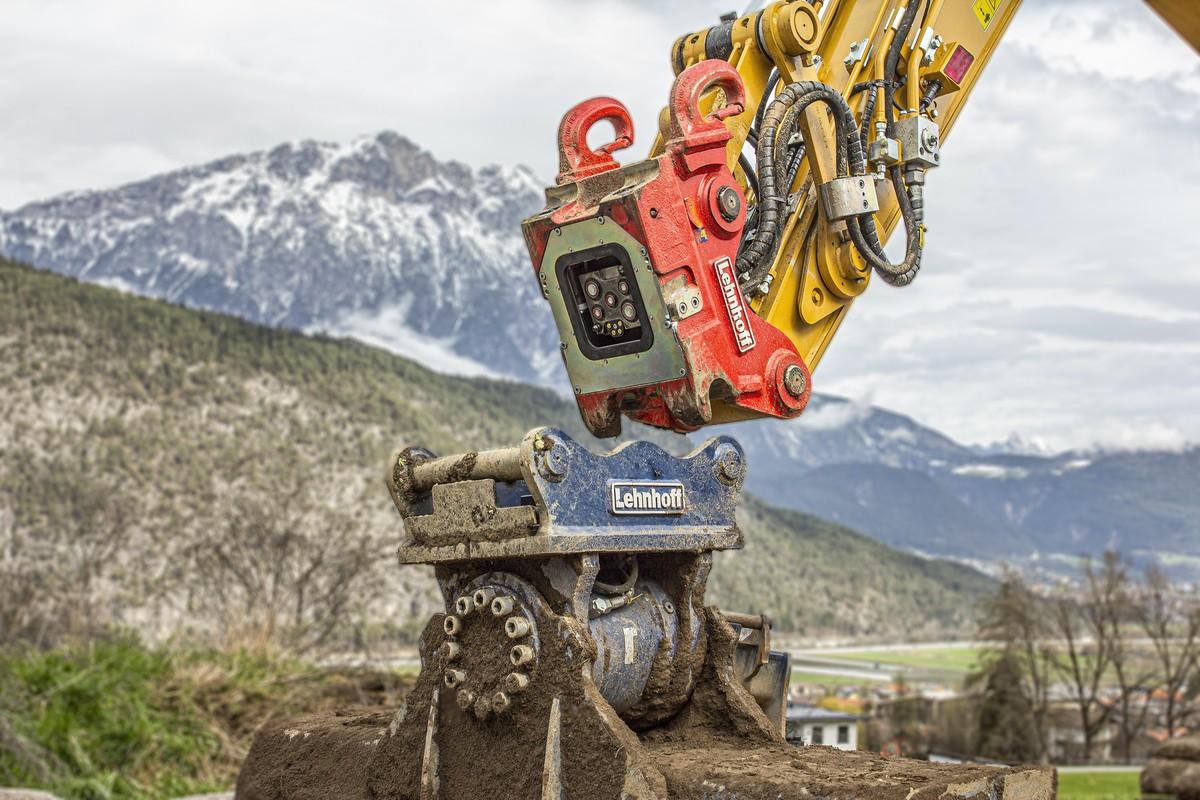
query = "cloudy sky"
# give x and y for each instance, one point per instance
(1060, 297)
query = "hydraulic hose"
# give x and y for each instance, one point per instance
(754, 260)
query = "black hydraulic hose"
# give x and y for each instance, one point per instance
(748, 171)
(754, 259)
(772, 82)
(892, 62)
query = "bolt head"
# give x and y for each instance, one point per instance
(516, 682)
(728, 203)
(794, 380)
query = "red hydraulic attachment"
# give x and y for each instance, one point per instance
(652, 320)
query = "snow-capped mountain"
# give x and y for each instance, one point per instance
(375, 239)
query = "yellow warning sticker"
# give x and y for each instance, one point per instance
(985, 11)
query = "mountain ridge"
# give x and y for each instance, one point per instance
(378, 240)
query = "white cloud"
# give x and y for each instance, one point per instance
(1062, 279)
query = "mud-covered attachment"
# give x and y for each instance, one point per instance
(575, 656)
(575, 618)
(553, 496)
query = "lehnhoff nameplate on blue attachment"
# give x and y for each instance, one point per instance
(553, 495)
(646, 497)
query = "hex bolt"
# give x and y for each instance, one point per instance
(520, 655)
(516, 682)
(454, 677)
(794, 380)
(502, 606)
(516, 627)
(500, 702)
(465, 699)
(451, 650)
(464, 606)
(728, 466)
(483, 597)
(451, 625)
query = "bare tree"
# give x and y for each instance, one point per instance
(1135, 676)
(1085, 651)
(286, 568)
(1170, 619)
(64, 538)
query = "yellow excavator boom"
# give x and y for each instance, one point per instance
(816, 272)
(1183, 16)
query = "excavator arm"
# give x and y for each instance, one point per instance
(797, 137)
(806, 286)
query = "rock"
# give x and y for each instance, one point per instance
(25, 794)
(1184, 748)
(217, 796)
(1174, 769)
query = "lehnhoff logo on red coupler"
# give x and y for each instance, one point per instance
(735, 304)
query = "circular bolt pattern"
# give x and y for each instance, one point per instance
(482, 675)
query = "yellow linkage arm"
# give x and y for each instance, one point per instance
(816, 272)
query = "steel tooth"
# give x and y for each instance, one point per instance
(451, 625)
(516, 682)
(500, 702)
(464, 605)
(454, 677)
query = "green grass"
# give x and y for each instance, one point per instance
(943, 659)
(830, 681)
(1098, 785)
(115, 720)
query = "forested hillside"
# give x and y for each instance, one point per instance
(183, 471)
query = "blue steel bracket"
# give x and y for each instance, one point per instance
(637, 498)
